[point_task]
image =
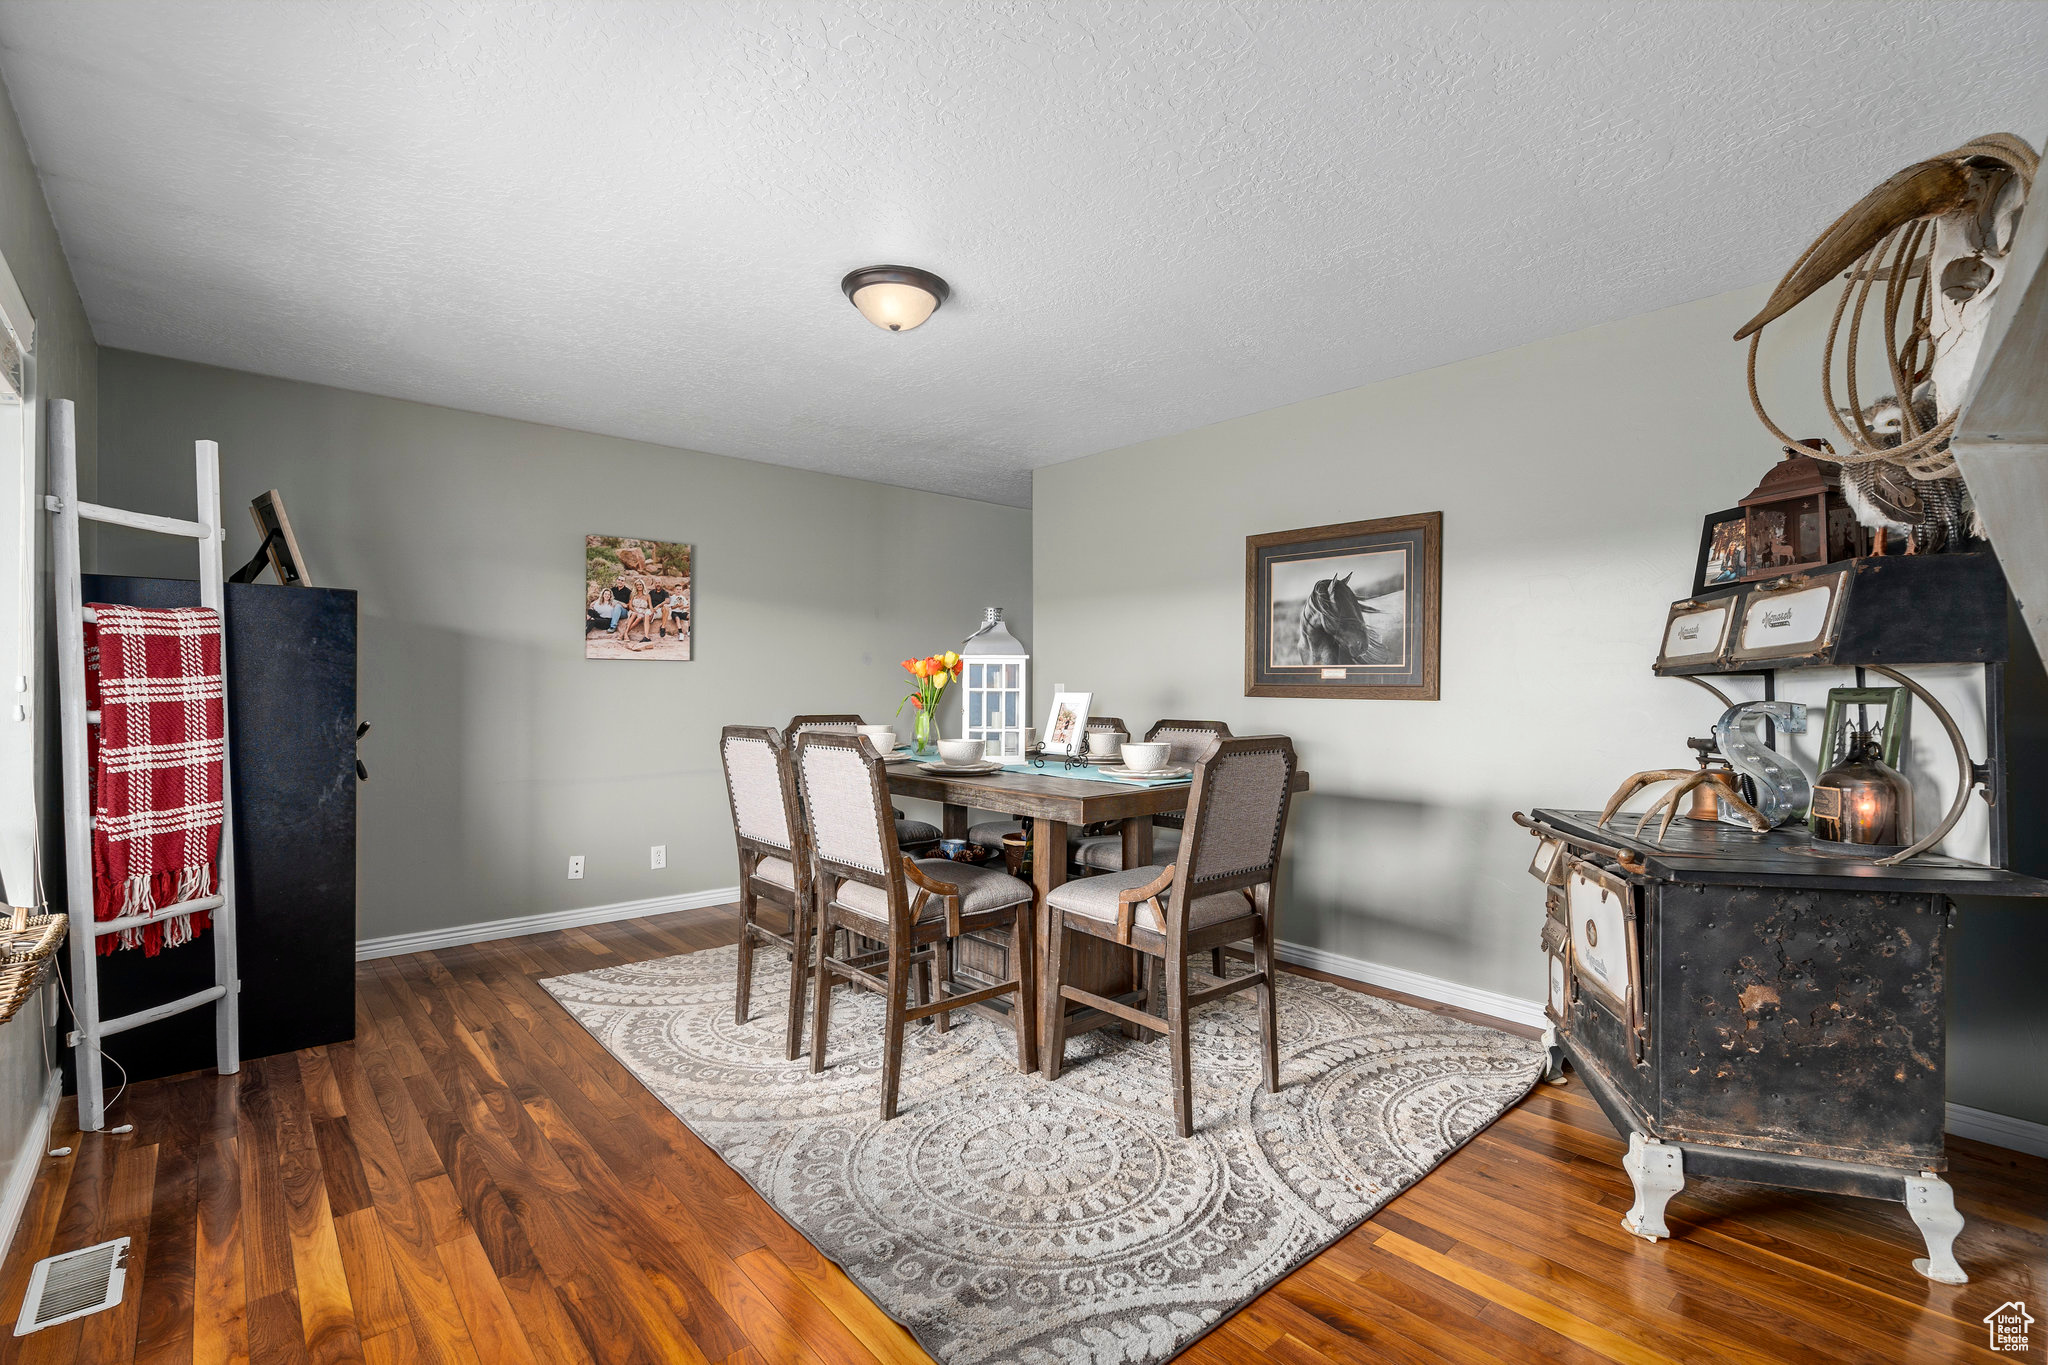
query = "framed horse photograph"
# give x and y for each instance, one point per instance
(1345, 611)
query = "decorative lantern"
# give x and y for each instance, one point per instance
(1863, 801)
(998, 681)
(1796, 517)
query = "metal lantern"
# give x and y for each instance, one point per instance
(1796, 518)
(997, 699)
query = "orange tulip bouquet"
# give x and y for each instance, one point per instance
(930, 678)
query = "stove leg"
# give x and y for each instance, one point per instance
(1658, 1172)
(1932, 1205)
(1553, 1066)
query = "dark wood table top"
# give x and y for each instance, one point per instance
(1713, 853)
(1047, 794)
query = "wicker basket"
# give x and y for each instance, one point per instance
(30, 949)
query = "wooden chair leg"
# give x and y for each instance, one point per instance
(931, 987)
(1269, 1006)
(1027, 983)
(799, 975)
(892, 1027)
(1135, 1032)
(743, 996)
(1177, 1041)
(1218, 963)
(821, 989)
(1053, 1012)
(944, 985)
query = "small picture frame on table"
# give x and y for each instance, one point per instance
(1724, 551)
(1066, 724)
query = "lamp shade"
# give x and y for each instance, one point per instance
(896, 298)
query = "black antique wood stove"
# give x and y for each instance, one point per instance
(1747, 1005)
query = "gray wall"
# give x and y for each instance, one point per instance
(66, 367)
(498, 750)
(1573, 475)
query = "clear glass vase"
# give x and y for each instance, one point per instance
(922, 735)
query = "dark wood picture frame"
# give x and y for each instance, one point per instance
(1714, 521)
(1414, 675)
(279, 551)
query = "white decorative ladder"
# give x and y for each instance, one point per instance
(64, 505)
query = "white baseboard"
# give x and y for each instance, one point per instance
(485, 931)
(2000, 1130)
(1512, 1008)
(28, 1161)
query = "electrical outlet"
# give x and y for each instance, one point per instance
(657, 856)
(575, 867)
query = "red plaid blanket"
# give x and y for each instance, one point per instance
(154, 677)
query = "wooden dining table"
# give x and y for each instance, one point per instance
(1053, 800)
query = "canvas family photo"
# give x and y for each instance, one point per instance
(636, 600)
(1344, 611)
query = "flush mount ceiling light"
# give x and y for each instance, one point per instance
(896, 297)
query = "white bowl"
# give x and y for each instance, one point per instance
(1143, 758)
(881, 736)
(1103, 743)
(962, 753)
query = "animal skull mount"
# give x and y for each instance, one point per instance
(1948, 224)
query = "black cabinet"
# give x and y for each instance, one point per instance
(291, 745)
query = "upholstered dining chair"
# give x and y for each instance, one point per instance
(921, 835)
(913, 907)
(1219, 889)
(775, 862)
(1188, 739)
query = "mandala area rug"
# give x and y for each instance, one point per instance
(1003, 1218)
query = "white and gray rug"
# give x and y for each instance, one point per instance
(1004, 1219)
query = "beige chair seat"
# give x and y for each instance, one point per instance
(980, 890)
(776, 872)
(989, 834)
(1105, 852)
(916, 832)
(1095, 897)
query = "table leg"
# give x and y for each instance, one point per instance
(952, 821)
(1137, 832)
(1048, 871)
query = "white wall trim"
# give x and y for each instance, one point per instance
(2000, 1130)
(1513, 1008)
(28, 1161)
(1981, 1125)
(485, 931)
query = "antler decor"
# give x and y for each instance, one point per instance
(1721, 780)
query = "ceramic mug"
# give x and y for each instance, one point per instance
(1105, 743)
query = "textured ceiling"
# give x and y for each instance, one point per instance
(632, 218)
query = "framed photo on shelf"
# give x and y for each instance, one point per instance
(1350, 610)
(1724, 551)
(1066, 724)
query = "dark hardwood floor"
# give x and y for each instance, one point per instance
(475, 1180)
